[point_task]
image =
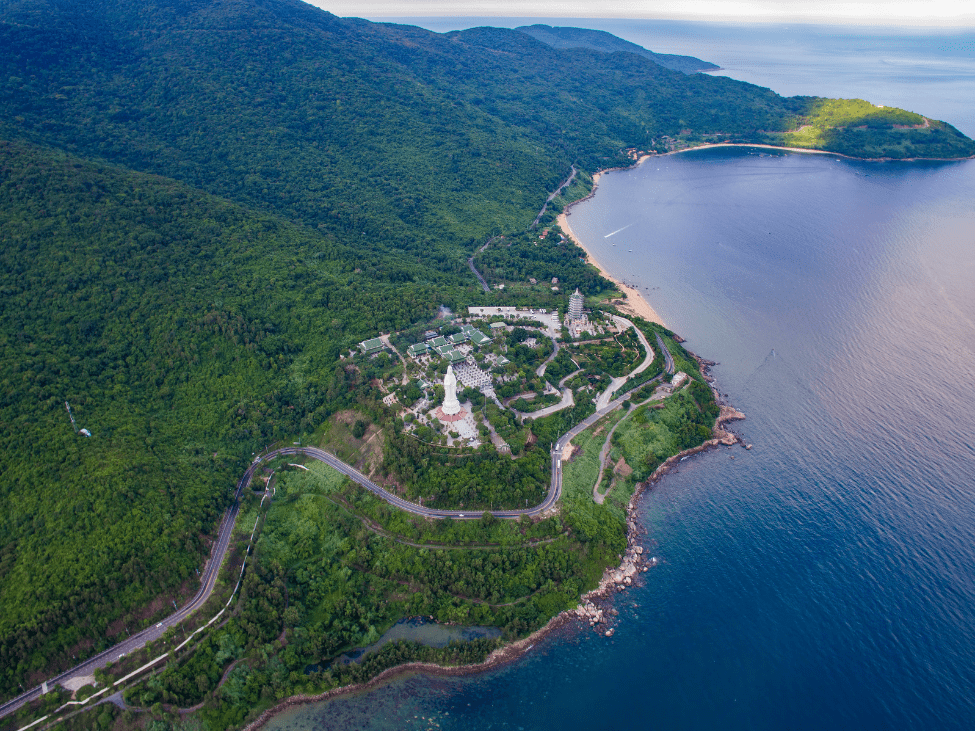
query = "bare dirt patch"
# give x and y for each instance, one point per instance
(365, 453)
(369, 456)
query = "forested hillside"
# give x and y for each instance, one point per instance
(202, 202)
(600, 40)
(186, 332)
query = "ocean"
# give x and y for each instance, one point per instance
(824, 579)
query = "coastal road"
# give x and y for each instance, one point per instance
(551, 197)
(222, 543)
(668, 358)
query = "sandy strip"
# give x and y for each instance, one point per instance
(755, 144)
(634, 304)
(811, 151)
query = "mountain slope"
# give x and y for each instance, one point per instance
(203, 202)
(185, 332)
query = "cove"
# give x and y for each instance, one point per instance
(822, 578)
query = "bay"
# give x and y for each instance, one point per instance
(823, 579)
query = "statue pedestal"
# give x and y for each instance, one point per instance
(450, 406)
(449, 418)
(450, 410)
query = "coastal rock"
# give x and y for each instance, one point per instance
(587, 611)
(632, 562)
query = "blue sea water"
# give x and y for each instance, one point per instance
(824, 579)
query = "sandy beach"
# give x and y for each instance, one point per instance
(752, 144)
(634, 304)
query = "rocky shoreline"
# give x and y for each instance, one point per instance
(501, 656)
(594, 608)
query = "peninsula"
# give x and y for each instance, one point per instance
(228, 229)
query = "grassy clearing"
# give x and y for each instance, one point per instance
(579, 474)
(337, 436)
(319, 479)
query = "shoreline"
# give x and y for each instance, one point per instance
(592, 607)
(810, 150)
(501, 656)
(633, 303)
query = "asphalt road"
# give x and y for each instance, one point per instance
(668, 358)
(212, 567)
(141, 639)
(551, 197)
(470, 263)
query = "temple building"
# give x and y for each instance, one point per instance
(575, 305)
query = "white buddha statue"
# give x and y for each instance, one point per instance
(451, 405)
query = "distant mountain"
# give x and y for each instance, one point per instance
(599, 40)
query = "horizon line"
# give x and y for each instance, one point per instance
(894, 24)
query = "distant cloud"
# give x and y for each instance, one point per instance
(958, 13)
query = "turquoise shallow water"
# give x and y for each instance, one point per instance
(825, 578)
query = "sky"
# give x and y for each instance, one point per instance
(943, 13)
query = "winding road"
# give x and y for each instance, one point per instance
(470, 263)
(623, 324)
(139, 640)
(548, 200)
(212, 567)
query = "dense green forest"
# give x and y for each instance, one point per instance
(600, 40)
(327, 582)
(204, 202)
(185, 332)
